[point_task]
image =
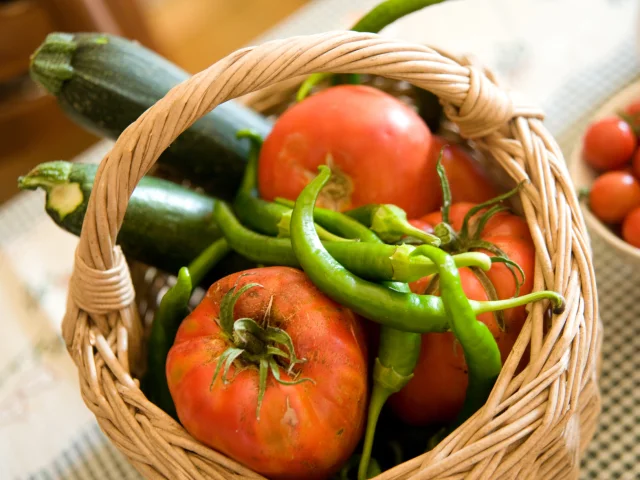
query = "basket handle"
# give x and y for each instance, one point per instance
(101, 285)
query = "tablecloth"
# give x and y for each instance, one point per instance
(568, 55)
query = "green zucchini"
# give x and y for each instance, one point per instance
(165, 225)
(104, 83)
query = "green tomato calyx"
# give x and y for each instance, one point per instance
(255, 343)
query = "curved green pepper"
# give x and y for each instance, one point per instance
(403, 311)
(173, 308)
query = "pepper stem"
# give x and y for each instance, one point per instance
(493, 305)
(379, 397)
(390, 223)
(386, 382)
(408, 267)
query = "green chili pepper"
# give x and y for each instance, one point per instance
(480, 349)
(398, 352)
(397, 358)
(254, 212)
(403, 311)
(373, 261)
(284, 228)
(388, 222)
(379, 17)
(172, 310)
(265, 217)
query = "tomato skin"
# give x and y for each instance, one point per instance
(613, 195)
(378, 149)
(631, 228)
(609, 143)
(467, 179)
(306, 430)
(633, 108)
(635, 163)
(436, 392)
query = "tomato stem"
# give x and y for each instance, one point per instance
(387, 380)
(481, 206)
(465, 241)
(486, 216)
(446, 188)
(502, 257)
(255, 344)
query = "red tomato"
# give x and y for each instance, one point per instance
(633, 108)
(609, 143)
(635, 164)
(377, 147)
(631, 228)
(467, 179)
(613, 195)
(307, 430)
(437, 390)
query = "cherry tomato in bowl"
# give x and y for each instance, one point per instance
(609, 143)
(635, 164)
(613, 195)
(631, 228)
(584, 175)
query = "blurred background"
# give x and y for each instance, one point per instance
(191, 33)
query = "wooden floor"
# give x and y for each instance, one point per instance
(193, 34)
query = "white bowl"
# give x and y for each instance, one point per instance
(583, 175)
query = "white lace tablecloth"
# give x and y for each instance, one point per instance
(568, 55)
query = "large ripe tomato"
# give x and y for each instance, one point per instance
(613, 195)
(436, 392)
(307, 430)
(609, 143)
(377, 147)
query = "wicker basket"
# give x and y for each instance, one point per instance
(535, 424)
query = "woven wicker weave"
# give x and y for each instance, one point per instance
(534, 425)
